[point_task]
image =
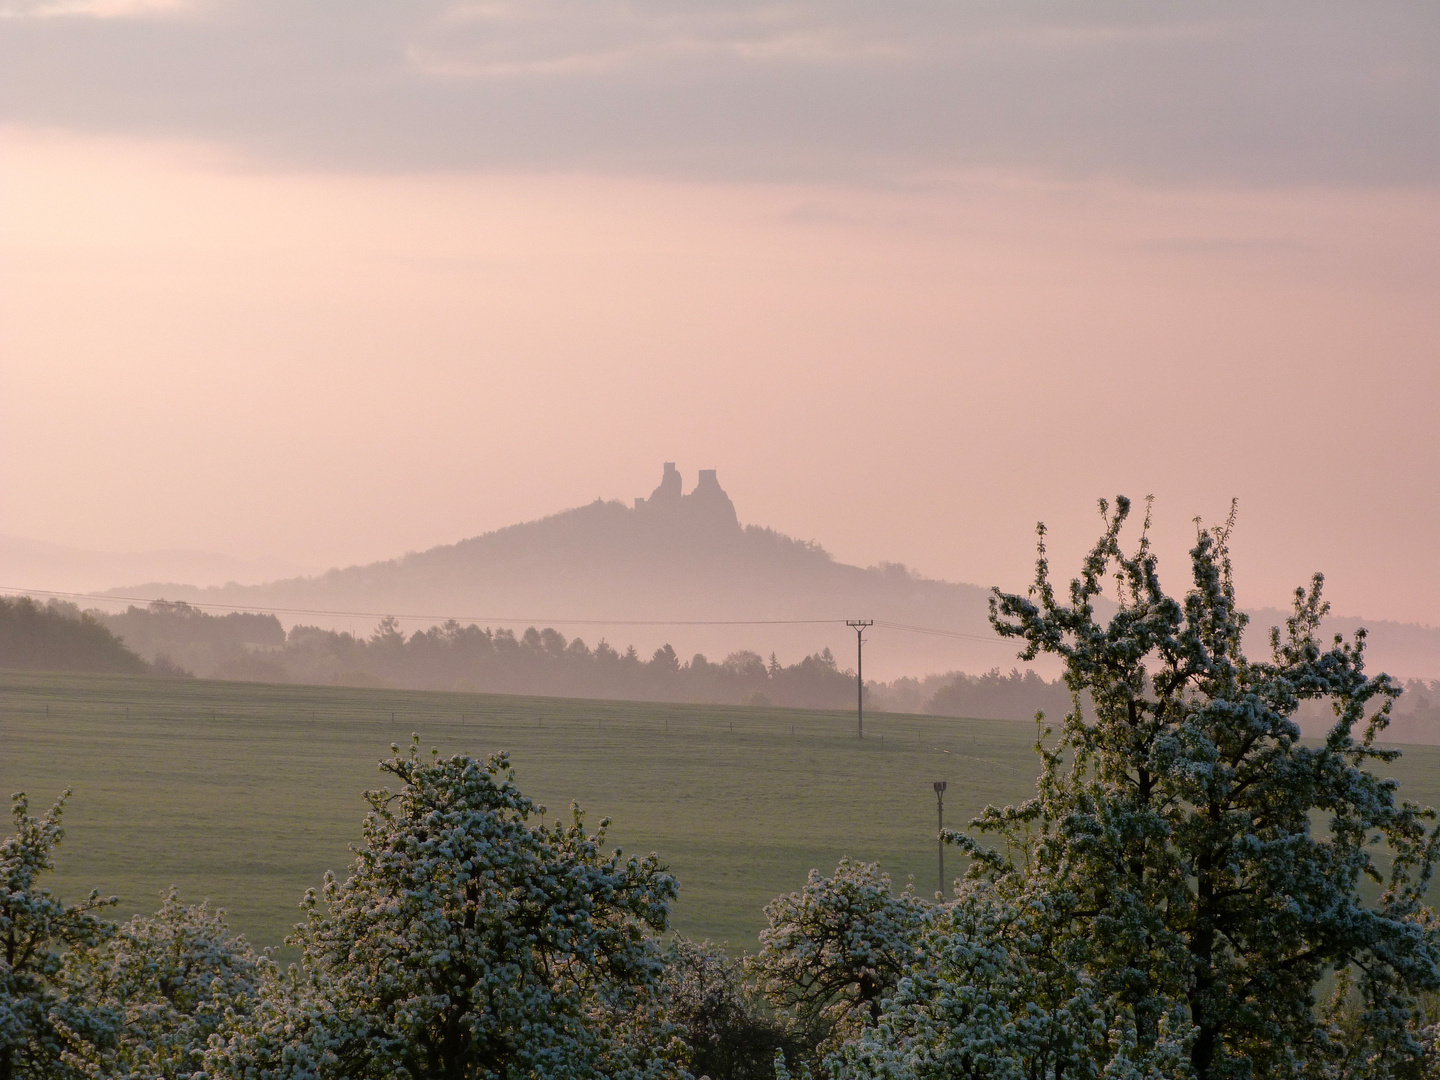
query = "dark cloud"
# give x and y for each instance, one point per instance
(1223, 92)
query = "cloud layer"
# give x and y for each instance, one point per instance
(1225, 92)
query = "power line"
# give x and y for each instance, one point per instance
(936, 632)
(102, 597)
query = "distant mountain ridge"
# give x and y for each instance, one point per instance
(36, 564)
(602, 569)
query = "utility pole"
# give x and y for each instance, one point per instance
(859, 625)
(940, 836)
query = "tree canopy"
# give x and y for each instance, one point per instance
(473, 940)
(833, 950)
(36, 931)
(1190, 873)
(59, 637)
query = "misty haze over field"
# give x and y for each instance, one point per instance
(635, 574)
(655, 572)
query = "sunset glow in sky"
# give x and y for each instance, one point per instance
(328, 282)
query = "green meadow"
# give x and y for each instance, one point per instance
(246, 793)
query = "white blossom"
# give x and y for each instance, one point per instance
(36, 928)
(157, 989)
(836, 948)
(471, 939)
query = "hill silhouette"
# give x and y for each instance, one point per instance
(597, 570)
(635, 574)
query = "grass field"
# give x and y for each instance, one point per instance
(246, 793)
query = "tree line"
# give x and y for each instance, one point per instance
(1181, 898)
(180, 638)
(450, 656)
(57, 637)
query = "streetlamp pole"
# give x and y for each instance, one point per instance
(859, 625)
(940, 835)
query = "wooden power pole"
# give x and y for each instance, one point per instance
(940, 816)
(859, 625)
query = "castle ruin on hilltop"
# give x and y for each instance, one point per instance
(707, 507)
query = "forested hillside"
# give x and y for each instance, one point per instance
(59, 637)
(198, 641)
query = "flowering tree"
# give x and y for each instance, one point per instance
(729, 1032)
(1172, 841)
(1165, 905)
(35, 930)
(999, 995)
(156, 990)
(834, 949)
(469, 941)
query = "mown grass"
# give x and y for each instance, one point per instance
(246, 793)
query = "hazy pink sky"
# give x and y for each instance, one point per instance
(211, 339)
